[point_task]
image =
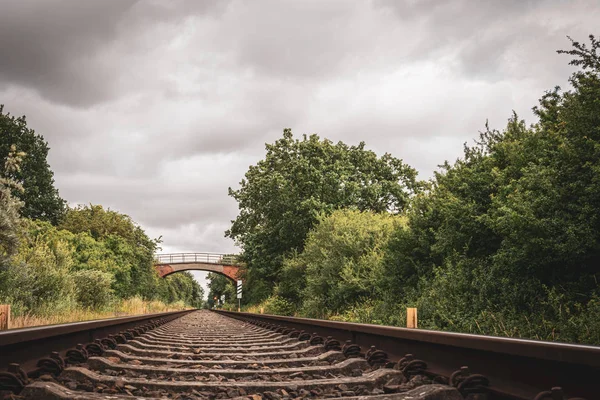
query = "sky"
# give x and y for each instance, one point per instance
(155, 108)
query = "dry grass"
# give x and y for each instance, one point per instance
(133, 306)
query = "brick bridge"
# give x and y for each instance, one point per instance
(224, 264)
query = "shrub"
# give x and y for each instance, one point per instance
(277, 305)
(38, 277)
(93, 288)
(343, 257)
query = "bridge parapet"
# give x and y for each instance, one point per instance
(189, 258)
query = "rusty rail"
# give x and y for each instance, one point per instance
(26, 346)
(516, 369)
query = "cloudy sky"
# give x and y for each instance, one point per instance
(155, 108)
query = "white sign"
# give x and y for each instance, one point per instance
(239, 289)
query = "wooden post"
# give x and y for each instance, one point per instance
(4, 316)
(262, 310)
(411, 318)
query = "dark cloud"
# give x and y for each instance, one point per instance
(52, 46)
(62, 48)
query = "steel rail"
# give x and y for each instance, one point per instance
(516, 368)
(26, 346)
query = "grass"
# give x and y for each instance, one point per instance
(133, 306)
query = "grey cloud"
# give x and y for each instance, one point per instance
(495, 39)
(62, 48)
(49, 45)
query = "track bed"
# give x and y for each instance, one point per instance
(205, 355)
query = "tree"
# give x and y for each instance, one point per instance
(220, 285)
(41, 199)
(130, 251)
(38, 279)
(182, 286)
(282, 196)
(93, 288)
(342, 260)
(9, 206)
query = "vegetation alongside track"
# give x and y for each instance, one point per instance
(116, 308)
(504, 241)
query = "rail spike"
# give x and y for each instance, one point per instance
(410, 366)
(77, 355)
(316, 339)
(376, 357)
(469, 384)
(14, 379)
(95, 349)
(350, 349)
(109, 343)
(332, 344)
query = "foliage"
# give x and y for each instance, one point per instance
(92, 259)
(93, 288)
(112, 242)
(182, 287)
(282, 196)
(58, 271)
(37, 279)
(9, 206)
(40, 198)
(277, 305)
(220, 285)
(342, 259)
(116, 308)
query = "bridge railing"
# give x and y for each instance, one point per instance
(186, 258)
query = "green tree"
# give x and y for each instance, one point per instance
(182, 286)
(40, 197)
(220, 285)
(282, 196)
(93, 288)
(130, 251)
(38, 279)
(342, 260)
(9, 206)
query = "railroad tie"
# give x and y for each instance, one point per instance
(205, 355)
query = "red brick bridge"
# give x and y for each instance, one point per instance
(224, 264)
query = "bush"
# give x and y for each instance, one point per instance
(93, 288)
(277, 305)
(37, 279)
(344, 259)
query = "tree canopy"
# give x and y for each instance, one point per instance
(9, 205)
(282, 196)
(40, 198)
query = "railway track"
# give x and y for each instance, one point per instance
(208, 355)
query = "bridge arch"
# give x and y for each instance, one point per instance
(224, 264)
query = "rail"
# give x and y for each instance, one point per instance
(189, 258)
(27, 345)
(514, 368)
